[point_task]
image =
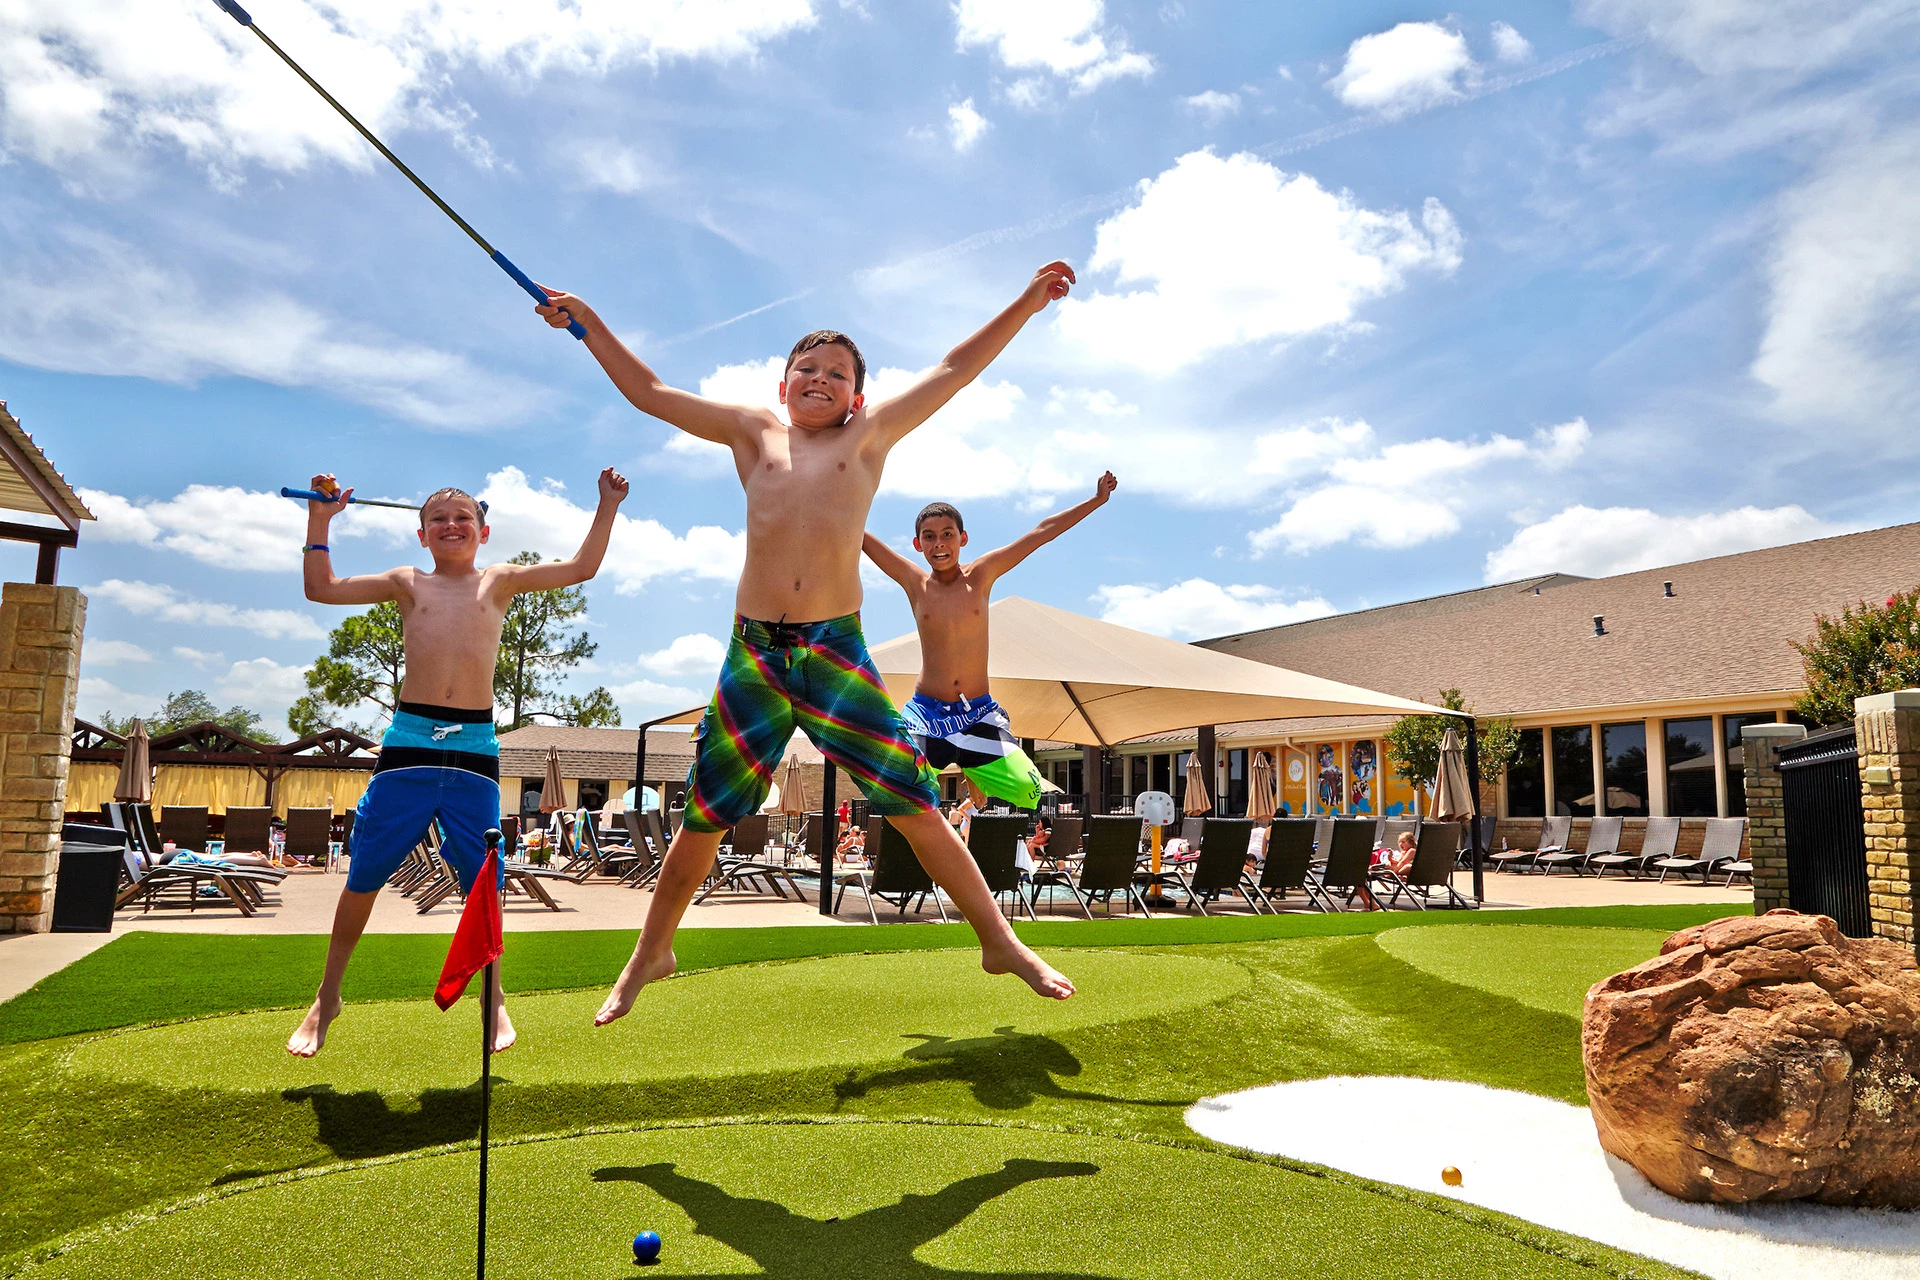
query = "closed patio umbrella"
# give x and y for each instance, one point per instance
(553, 792)
(793, 786)
(1263, 799)
(1452, 796)
(1198, 801)
(135, 783)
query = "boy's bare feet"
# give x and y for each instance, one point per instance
(503, 1032)
(638, 973)
(312, 1032)
(1015, 957)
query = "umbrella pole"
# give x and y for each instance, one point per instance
(1473, 821)
(829, 835)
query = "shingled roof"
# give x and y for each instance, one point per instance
(1529, 647)
(594, 753)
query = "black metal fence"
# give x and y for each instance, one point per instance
(1826, 835)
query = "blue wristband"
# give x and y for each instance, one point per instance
(313, 546)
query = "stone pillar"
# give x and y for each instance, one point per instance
(1887, 729)
(1766, 816)
(40, 628)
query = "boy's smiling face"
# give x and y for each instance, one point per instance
(818, 390)
(939, 539)
(451, 529)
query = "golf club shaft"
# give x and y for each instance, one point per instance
(245, 19)
(312, 495)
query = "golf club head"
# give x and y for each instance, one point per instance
(235, 12)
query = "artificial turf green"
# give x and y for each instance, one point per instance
(1548, 967)
(153, 977)
(830, 1202)
(84, 1148)
(740, 1020)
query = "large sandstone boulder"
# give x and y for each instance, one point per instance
(1763, 1058)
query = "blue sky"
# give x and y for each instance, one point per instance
(1375, 302)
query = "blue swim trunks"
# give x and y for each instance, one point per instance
(436, 763)
(975, 734)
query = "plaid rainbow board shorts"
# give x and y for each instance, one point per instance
(817, 677)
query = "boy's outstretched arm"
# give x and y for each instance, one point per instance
(316, 567)
(585, 562)
(893, 564)
(708, 419)
(1002, 559)
(895, 417)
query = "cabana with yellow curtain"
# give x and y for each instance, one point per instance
(208, 765)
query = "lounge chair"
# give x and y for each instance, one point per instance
(1720, 846)
(1660, 839)
(614, 861)
(895, 874)
(310, 835)
(1603, 837)
(1110, 864)
(1289, 862)
(745, 865)
(184, 826)
(249, 830)
(1553, 839)
(1432, 868)
(1349, 860)
(1322, 837)
(148, 883)
(1489, 828)
(1391, 829)
(1062, 852)
(1222, 865)
(993, 841)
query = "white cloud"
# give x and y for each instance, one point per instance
(1212, 106)
(265, 686)
(156, 600)
(1404, 494)
(1509, 45)
(231, 527)
(965, 125)
(1198, 608)
(1414, 66)
(1798, 37)
(607, 164)
(198, 657)
(120, 312)
(1843, 317)
(688, 657)
(640, 699)
(1304, 259)
(1595, 543)
(524, 517)
(96, 697)
(112, 75)
(107, 653)
(1068, 38)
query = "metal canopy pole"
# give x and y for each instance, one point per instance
(1473, 822)
(829, 835)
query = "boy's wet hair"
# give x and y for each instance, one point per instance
(934, 510)
(479, 507)
(832, 338)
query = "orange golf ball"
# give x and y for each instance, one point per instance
(1450, 1176)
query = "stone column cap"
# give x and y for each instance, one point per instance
(1898, 700)
(1776, 730)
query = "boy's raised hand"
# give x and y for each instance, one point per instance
(1050, 283)
(1104, 488)
(327, 484)
(563, 309)
(613, 488)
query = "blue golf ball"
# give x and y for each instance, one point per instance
(646, 1247)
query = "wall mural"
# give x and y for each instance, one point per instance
(1362, 767)
(1332, 794)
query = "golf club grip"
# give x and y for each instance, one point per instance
(308, 495)
(574, 327)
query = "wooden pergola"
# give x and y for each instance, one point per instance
(29, 483)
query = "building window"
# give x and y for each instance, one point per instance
(1573, 771)
(1737, 759)
(1690, 788)
(593, 793)
(1136, 776)
(1162, 774)
(530, 796)
(1625, 760)
(1113, 767)
(1237, 782)
(1076, 778)
(1179, 788)
(1527, 777)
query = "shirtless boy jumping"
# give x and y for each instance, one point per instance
(439, 758)
(953, 718)
(797, 655)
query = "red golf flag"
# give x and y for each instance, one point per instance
(476, 939)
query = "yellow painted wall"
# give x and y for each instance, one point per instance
(1295, 773)
(1398, 798)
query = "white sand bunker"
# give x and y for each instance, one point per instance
(1539, 1159)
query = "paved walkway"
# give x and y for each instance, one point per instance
(306, 902)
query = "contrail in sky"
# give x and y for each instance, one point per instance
(1089, 206)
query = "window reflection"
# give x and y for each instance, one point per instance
(1527, 777)
(1573, 770)
(1624, 751)
(1737, 759)
(1690, 786)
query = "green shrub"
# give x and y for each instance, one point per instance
(1868, 649)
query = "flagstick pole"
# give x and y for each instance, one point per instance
(486, 1079)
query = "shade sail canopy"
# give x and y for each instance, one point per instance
(1075, 679)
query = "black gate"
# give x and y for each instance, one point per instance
(1826, 837)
